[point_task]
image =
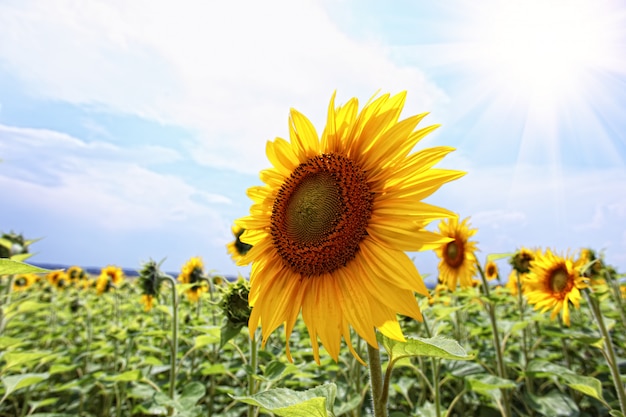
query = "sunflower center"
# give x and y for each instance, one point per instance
(559, 280)
(454, 253)
(320, 214)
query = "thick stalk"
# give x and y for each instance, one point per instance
(376, 381)
(609, 351)
(435, 384)
(174, 343)
(521, 306)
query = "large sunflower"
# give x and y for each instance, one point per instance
(330, 227)
(554, 282)
(458, 262)
(237, 248)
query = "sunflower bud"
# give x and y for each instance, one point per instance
(150, 283)
(522, 260)
(235, 303)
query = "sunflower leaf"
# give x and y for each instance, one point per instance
(14, 382)
(316, 402)
(12, 267)
(435, 347)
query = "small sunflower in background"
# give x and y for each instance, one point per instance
(58, 279)
(24, 281)
(591, 267)
(110, 277)
(237, 249)
(458, 261)
(521, 263)
(553, 283)
(192, 273)
(440, 294)
(491, 271)
(330, 227)
(78, 276)
(149, 282)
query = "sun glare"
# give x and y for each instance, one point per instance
(542, 49)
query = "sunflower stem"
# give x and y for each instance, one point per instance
(251, 381)
(609, 351)
(522, 307)
(376, 382)
(491, 310)
(174, 343)
(435, 384)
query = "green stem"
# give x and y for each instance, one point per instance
(609, 351)
(614, 284)
(522, 307)
(174, 344)
(491, 310)
(251, 381)
(376, 381)
(435, 384)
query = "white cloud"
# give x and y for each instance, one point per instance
(227, 70)
(97, 182)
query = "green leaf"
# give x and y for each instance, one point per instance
(497, 256)
(191, 394)
(14, 382)
(11, 267)
(21, 257)
(587, 385)
(616, 413)
(23, 358)
(283, 402)
(228, 332)
(207, 339)
(554, 404)
(134, 375)
(435, 347)
(487, 383)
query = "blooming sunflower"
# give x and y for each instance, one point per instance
(491, 271)
(110, 276)
(192, 274)
(237, 248)
(330, 226)
(458, 262)
(554, 282)
(78, 276)
(58, 279)
(24, 281)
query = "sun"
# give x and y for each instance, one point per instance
(543, 50)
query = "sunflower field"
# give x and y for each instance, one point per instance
(533, 332)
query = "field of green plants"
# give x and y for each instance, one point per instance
(78, 345)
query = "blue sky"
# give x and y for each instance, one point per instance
(131, 130)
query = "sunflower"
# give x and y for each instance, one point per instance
(458, 262)
(591, 267)
(522, 260)
(24, 281)
(237, 248)
(491, 270)
(149, 282)
(554, 282)
(110, 277)
(192, 273)
(58, 279)
(331, 225)
(78, 277)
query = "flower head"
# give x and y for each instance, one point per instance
(58, 279)
(237, 248)
(458, 262)
(24, 281)
(110, 277)
(522, 260)
(235, 303)
(330, 227)
(554, 282)
(192, 273)
(149, 281)
(491, 270)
